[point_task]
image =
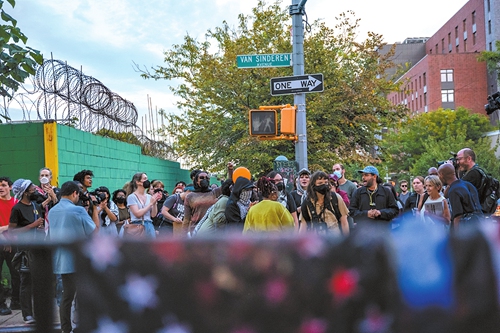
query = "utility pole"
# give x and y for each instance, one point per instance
(296, 11)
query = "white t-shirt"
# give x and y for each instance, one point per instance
(134, 200)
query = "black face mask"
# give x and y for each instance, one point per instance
(146, 184)
(120, 200)
(280, 186)
(323, 189)
(204, 184)
(33, 196)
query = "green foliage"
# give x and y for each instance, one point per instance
(215, 95)
(421, 142)
(120, 136)
(492, 58)
(17, 62)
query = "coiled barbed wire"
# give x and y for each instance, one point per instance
(66, 95)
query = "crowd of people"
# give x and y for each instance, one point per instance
(322, 203)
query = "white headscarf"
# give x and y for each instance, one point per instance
(20, 186)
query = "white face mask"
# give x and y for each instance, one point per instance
(44, 180)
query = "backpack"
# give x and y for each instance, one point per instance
(316, 223)
(488, 192)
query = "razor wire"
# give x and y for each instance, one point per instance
(62, 93)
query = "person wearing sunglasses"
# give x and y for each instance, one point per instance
(404, 194)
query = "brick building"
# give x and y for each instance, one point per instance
(449, 74)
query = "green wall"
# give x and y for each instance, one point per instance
(113, 162)
(22, 150)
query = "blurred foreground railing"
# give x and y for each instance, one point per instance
(414, 279)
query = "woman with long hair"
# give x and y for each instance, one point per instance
(120, 199)
(321, 212)
(142, 206)
(268, 215)
(107, 212)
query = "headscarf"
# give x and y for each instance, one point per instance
(19, 187)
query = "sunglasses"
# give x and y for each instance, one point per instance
(203, 177)
(404, 185)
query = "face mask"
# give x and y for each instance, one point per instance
(120, 200)
(338, 174)
(33, 196)
(204, 184)
(44, 180)
(146, 184)
(323, 189)
(280, 186)
(245, 196)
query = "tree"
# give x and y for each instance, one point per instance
(421, 142)
(17, 63)
(492, 59)
(215, 95)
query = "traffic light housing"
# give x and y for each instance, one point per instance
(288, 117)
(263, 122)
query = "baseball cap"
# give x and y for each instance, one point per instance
(369, 169)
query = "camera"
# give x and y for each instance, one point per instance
(99, 196)
(453, 160)
(83, 200)
(493, 103)
(157, 190)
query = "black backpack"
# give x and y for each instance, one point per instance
(488, 192)
(316, 223)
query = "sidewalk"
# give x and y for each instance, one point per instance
(14, 323)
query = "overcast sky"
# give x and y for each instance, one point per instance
(105, 37)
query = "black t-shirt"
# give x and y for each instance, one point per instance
(175, 206)
(23, 215)
(474, 177)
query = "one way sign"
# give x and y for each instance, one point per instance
(297, 84)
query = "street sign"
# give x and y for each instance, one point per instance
(264, 60)
(296, 84)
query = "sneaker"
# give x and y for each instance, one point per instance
(4, 310)
(14, 305)
(29, 320)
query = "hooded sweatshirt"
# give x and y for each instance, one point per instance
(233, 214)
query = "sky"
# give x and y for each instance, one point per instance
(105, 37)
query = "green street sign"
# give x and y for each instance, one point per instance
(264, 60)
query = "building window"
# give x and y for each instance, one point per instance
(420, 82)
(425, 79)
(489, 6)
(442, 46)
(491, 47)
(474, 38)
(447, 75)
(430, 51)
(437, 49)
(465, 45)
(464, 25)
(489, 27)
(473, 17)
(447, 95)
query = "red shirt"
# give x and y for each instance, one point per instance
(5, 209)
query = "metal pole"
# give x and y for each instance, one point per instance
(298, 69)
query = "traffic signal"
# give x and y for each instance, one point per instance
(263, 122)
(288, 117)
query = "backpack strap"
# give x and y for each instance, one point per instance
(334, 207)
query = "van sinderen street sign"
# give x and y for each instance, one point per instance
(286, 85)
(264, 60)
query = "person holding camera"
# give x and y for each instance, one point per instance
(373, 204)
(87, 199)
(321, 212)
(107, 212)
